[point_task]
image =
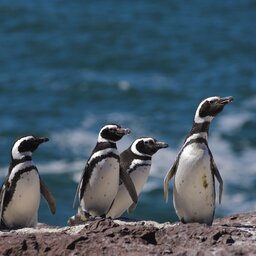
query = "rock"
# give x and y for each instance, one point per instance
(233, 235)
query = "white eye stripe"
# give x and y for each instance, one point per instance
(134, 146)
(101, 139)
(197, 117)
(148, 140)
(211, 99)
(109, 126)
(16, 154)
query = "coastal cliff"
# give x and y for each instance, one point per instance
(232, 235)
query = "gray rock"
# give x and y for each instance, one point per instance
(233, 235)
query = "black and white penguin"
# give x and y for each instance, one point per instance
(100, 179)
(20, 193)
(136, 161)
(194, 168)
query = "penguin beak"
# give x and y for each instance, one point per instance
(123, 131)
(160, 144)
(41, 140)
(225, 100)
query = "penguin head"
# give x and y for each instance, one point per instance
(25, 146)
(210, 107)
(112, 133)
(147, 146)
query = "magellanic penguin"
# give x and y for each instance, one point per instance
(20, 193)
(136, 161)
(100, 179)
(194, 168)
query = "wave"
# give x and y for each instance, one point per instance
(83, 139)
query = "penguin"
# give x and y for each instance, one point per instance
(194, 168)
(20, 192)
(98, 185)
(136, 161)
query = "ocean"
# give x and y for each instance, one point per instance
(69, 67)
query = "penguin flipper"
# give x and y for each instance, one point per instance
(216, 172)
(80, 184)
(48, 196)
(126, 179)
(132, 208)
(218, 177)
(3, 189)
(77, 191)
(2, 195)
(167, 178)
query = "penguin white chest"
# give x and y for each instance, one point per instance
(139, 177)
(23, 206)
(123, 200)
(102, 187)
(194, 192)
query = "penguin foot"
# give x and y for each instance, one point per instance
(74, 220)
(93, 218)
(79, 219)
(102, 217)
(183, 221)
(82, 217)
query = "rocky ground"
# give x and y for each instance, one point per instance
(233, 235)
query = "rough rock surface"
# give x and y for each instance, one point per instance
(233, 235)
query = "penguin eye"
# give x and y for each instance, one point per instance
(212, 101)
(112, 129)
(149, 142)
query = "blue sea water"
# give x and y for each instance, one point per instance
(69, 67)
